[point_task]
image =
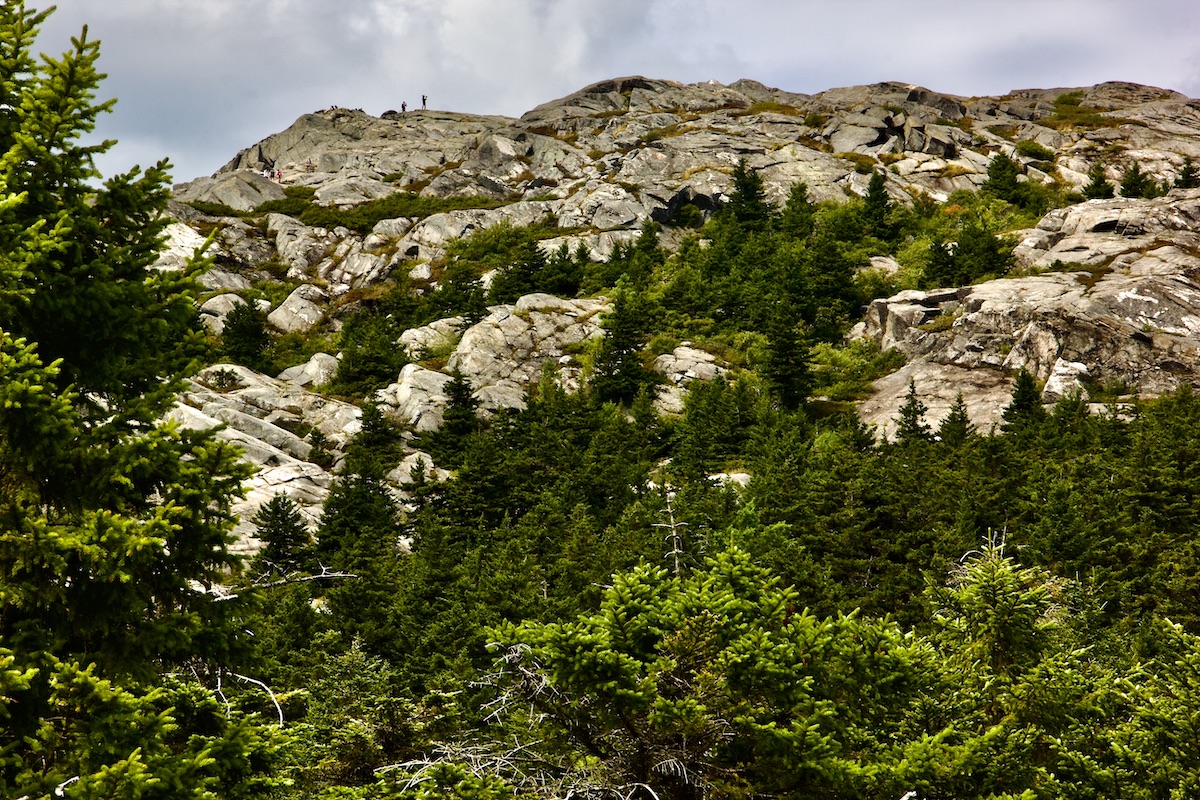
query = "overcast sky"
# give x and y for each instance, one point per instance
(198, 80)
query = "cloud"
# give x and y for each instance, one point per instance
(206, 79)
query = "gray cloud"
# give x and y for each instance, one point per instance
(197, 81)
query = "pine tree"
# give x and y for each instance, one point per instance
(1098, 186)
(1189, 176)
(115, 523)
(287, 541)
(618, 374)
(911, 425)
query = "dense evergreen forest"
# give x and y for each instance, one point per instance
(591, 607)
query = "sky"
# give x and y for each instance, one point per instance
(198, 80)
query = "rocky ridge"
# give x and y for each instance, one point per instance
(1106, 299)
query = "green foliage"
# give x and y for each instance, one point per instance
(1098, 186)
(1069, 112)
(286, 540)
(1033, 149)
(618, 374)
(116, 523)
(1135, 183)
(1189, 175)
(364, 216)
(715, 674)
(244, 338)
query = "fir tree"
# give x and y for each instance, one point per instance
(116, 524)
(910, 424)
(285, 535)
(1098, 186)
(1189, 175)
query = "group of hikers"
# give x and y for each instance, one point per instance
(276, 173)
(404, 104)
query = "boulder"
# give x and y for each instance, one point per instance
(242, 190)
(417, 399)
(181, 244)
(301, 311)
(317, 371)
(1131, 318)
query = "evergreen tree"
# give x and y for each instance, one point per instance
(1002, 180)
(618, 374)
(375, 449)
(911, 425)
(1189, 175)
(956, 427)
(520, 277)
(244, 338)
(799, 214)
(1098, 186)
(460, 420)
(748, 206)
(786, 369)
(285, 535)
(1025, 411)
(1135, 183)
(115, 523)
(876, 206)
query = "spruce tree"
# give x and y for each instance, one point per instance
(876, 206)
(956, 427)
(1189, 176)
(116, 523)
(618, 374)
(748, 205)
(286, 539)
(1002, 180)
(911, 425)
(1098, 186)
(1025, 411)
(1135, 183)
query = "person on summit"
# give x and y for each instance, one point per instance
(424, 97)
(403, 106)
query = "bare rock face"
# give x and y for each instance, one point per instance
(1130, 317)
(300, 311)
(261, 416)
(241, 190)
(502, 356)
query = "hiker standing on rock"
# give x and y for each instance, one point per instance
(424, 97)
(403, 106)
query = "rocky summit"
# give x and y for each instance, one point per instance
(1103, 294)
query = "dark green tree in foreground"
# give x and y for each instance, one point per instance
(115, 523)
